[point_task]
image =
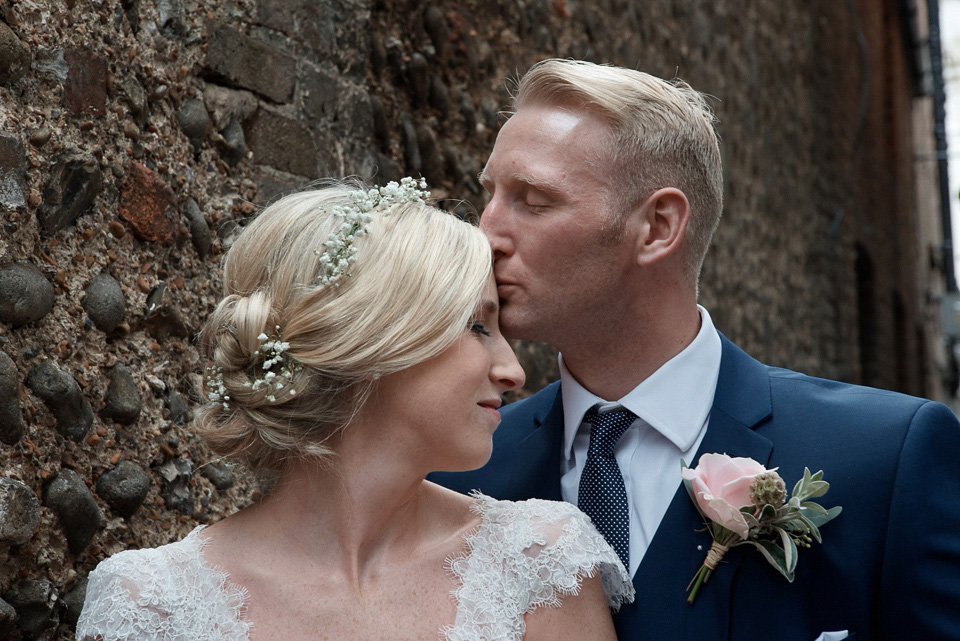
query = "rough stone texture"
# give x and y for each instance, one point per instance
(233, 143)
(283, 143)
(76, 509)
(148, 204)
(14, 56)
(35, 601)
(25, 294)
(62, 395)
(85, 91)
(122, 402)
(12, 426)
(194, 121)
(71, 190)
(124, 488)
(13, 182)
(19, 512)
(176, 487)
(73, 602)
(163, 317)
(246, 62)
(8, 621)
(104, 303)
(220, 475)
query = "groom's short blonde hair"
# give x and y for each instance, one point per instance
(662, 135)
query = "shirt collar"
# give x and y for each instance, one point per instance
(675, 400)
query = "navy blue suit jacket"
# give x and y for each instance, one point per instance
(889, 565)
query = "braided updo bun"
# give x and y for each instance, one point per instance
(410, 292)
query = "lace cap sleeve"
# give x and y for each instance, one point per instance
(526, 555)
(162, 594)
(568, 549)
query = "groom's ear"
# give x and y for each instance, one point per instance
(662, 221)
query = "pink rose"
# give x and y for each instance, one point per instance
(722, 486)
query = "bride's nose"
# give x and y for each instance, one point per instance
(505, 369)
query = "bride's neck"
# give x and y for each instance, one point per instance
(365, 509)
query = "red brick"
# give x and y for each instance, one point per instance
(148, 204)
(85, 89)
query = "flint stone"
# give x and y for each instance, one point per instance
(176, 488)
(199, 229)
(14, 56)
(246, 62)
(85, 90)
(233, 147)
(283, 143)
(19, 512)
(178, 406)
(76, 509)
(73, 602)
(104, 302)
(194, 121)
(430, 155)
(124, 488)
(380, 128)
(149, 205)
(25, 294)
(12, 426)
(8, 620)
(163, 317)
(220, 475)
(439, 96)
(35, 601)
(436, 27)
(133, 95)
(62, 395)
(122, 402)
(13, 180)
(73, 186)
(228, 104)
(469, 113)
(418, 72)
(411, 148)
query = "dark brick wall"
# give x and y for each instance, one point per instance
(136, 136)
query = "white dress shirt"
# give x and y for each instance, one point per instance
(672, 408)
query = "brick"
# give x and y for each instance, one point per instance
(148, 204)
(282, 143)
(85, 89)
(240, 60)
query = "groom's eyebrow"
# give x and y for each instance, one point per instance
(526, 179)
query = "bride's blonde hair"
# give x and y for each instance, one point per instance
(411, 293)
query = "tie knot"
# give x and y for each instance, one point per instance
(606, 430)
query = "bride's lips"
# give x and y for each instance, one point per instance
(491, 406)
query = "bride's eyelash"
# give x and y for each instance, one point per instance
(478, 328)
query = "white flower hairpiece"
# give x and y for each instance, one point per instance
(273, 381)
(338, 252)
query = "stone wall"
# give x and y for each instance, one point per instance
(137, 136)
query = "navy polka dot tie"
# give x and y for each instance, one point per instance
(603, 496)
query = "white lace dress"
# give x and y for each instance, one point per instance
(523, 555)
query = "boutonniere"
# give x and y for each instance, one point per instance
(744, 503)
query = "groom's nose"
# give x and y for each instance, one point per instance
(494, 223)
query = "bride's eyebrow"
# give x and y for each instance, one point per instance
(487, 307)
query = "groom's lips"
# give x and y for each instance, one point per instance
(505, 287)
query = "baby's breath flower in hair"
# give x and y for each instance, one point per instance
(271, 379)
(338, 252)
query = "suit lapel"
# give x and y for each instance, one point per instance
(741, 403)
(539, 468)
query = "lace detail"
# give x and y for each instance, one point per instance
(164, 594)
(522, 556)
(526, 555)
